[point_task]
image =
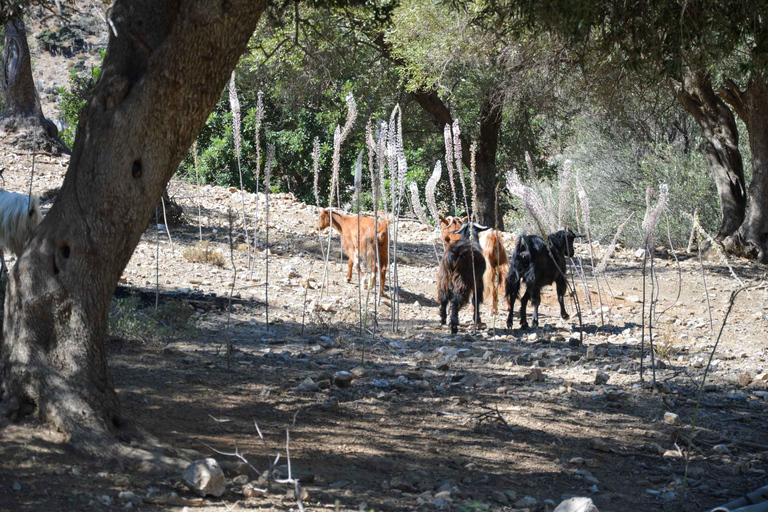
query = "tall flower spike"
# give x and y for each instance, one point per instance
(259, 121)
(449, 162)
(653, 218)
(316, 166)
(531, 200)
(430, 191)
(562, 191)
(370, 143)
(473, 179)
(418, 208)
(531, 170)
(336, 158)
(457, 146)
(381, 153)
(234, 104)
(392, 158)
(584, 201)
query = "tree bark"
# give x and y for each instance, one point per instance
(166, 65)
(22, 103)
(751, 105)
(485, 162)
(695, 93)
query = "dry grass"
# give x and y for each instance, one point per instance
(665, 348)
(203, 253)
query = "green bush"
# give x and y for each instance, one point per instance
(74, 98)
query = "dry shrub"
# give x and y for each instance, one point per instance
(666, 348)
(203, 253)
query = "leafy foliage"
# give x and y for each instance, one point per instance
(74, 98)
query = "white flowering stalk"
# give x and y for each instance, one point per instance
(335, 165)
(562, 191)
(234, 103)
(360, 258)
(531, 170)
(430, 192)
(418, 208)
(584, 201)
(612, 248)
(257, 173)
(473, 178)
(316, 167)
(531, 200)
(650, 221)
(457, 145)
(449, 162)
(267, 175)
(652, 216)
(397, 167)
(381, 160)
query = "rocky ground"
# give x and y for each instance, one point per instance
(491, 420)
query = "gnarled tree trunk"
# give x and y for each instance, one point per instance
(485, 163)
(751, 106)
(695, 93)
(163, 73)
(22, 103)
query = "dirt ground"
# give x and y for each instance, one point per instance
(431, 421)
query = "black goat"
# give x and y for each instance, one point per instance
(533, 264)
(456, 280)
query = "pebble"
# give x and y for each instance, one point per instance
(535, 375)
(601, 378)
(671, 418)
(578, 504)
(16, 486)
(526, 501)
(205, 478)
(308, 385)
(590, 353)
(343, 379)
(500, 497)
(720, 448)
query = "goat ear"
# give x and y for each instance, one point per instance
(443, 220)
(577, 235)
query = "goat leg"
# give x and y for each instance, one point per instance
(477, 300)
(454, 315)
(523, 305)
(350, 264)
(536, 299)
(443, 307)
(561, 289)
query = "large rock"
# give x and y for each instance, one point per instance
(577, 505)
(205, 477)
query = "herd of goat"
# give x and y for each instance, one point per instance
(474, 262)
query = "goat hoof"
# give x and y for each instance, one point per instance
(565, 316)
(454, 329)
(509, 325)
(524, 326)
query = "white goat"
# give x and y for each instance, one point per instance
(18, 221)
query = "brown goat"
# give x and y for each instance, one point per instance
(456, 284)
(492, 245)
(370, 241)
